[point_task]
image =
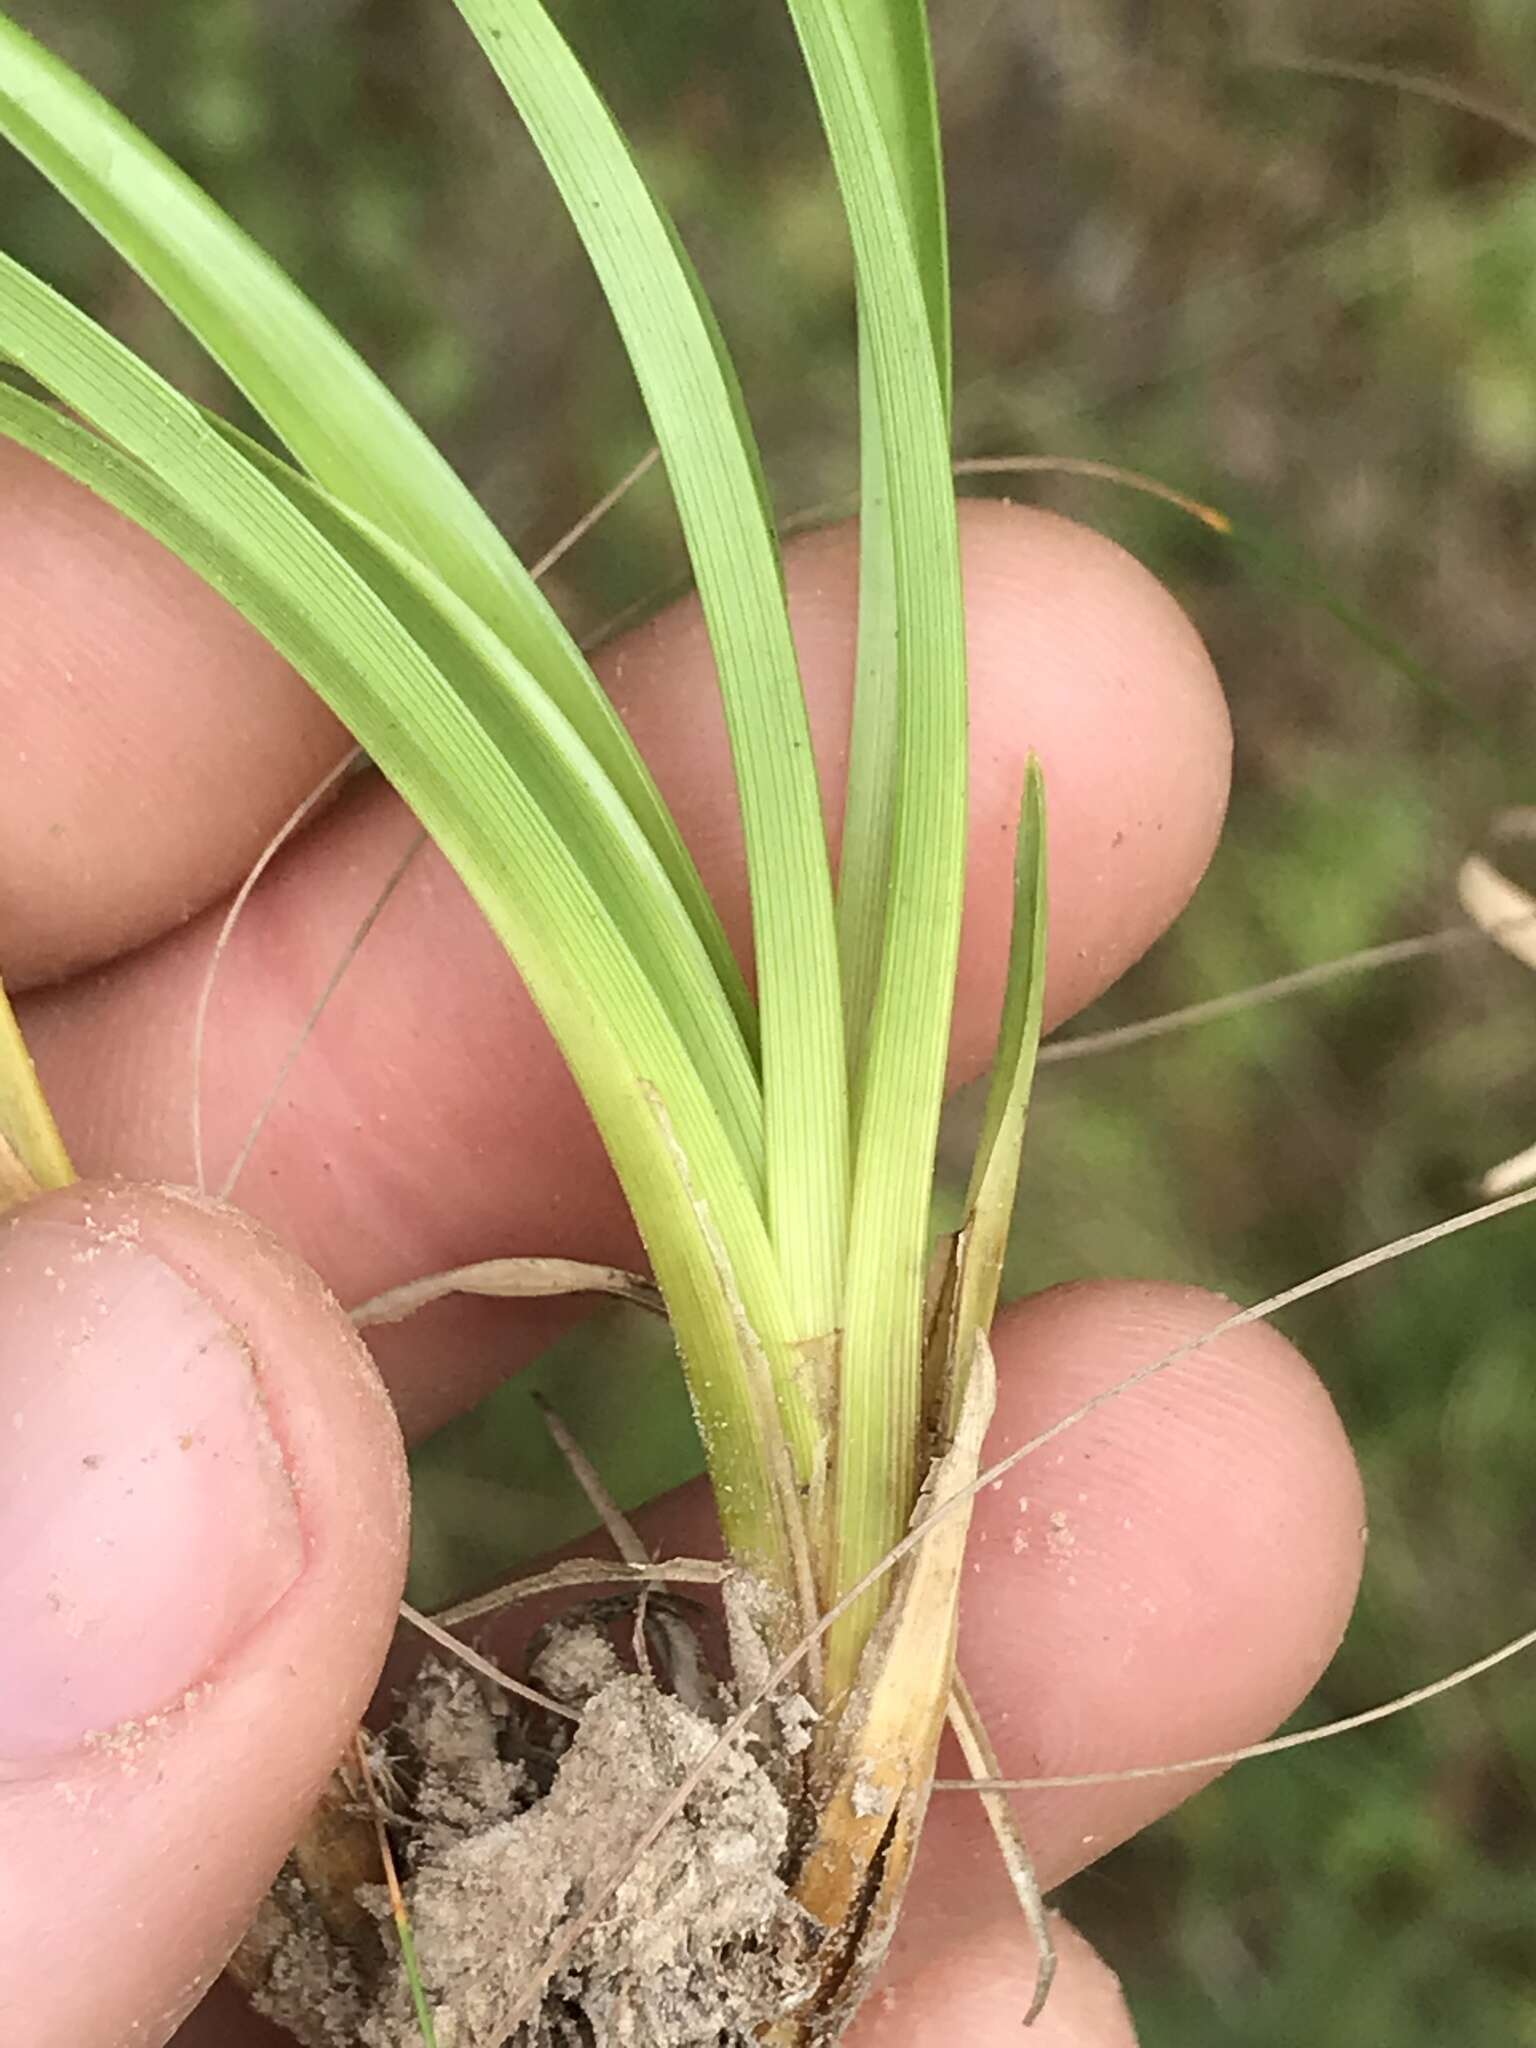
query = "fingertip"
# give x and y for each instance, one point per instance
(217, 1569)
(1076, 654)
(1167, 1578)
(1081, 656)
(155, 739)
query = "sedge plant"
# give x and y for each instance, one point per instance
(774, 1134)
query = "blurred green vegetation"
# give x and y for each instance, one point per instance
(1310, 301)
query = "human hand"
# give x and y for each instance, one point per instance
(201, 1493)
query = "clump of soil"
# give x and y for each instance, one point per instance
(502, 1840)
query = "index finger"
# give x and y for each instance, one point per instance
(151, 740)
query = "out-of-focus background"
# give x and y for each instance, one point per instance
(1310, 300)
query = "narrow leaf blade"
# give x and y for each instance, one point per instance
(700, 426)
(995, 1171)
(893, 45)
(880, 1397)
(173, 474)
(334, 414)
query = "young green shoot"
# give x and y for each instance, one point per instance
(420, 2004)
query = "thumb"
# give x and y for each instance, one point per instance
(202, 1541)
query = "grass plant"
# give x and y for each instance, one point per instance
(776, 1141)
(1320, 322)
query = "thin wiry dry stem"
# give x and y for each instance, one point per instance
(353, 946)
(1320, 1283)
(589, 518)
(584, 1571)
(621, 1531)
(1088, 1044)
(600, 1894)
(974, 465)
(348, 764)
(508, 1280)
(435, 1632)
(1297, 1739)
(1418, 85)
(1032, 465)
(1105, 472)
(981, 1760)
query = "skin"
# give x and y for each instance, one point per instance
(1186, 1560)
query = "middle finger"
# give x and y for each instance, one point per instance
(431, 1121)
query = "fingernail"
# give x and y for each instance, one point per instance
(147, 1522)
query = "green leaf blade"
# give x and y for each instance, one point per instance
(995, 1171)
(880, 1401)
(569, 789)
(322, 400)
(893, 46)
(699, 424)
(165, 467)
(895, 52)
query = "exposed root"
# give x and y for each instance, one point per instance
(699, 1945)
